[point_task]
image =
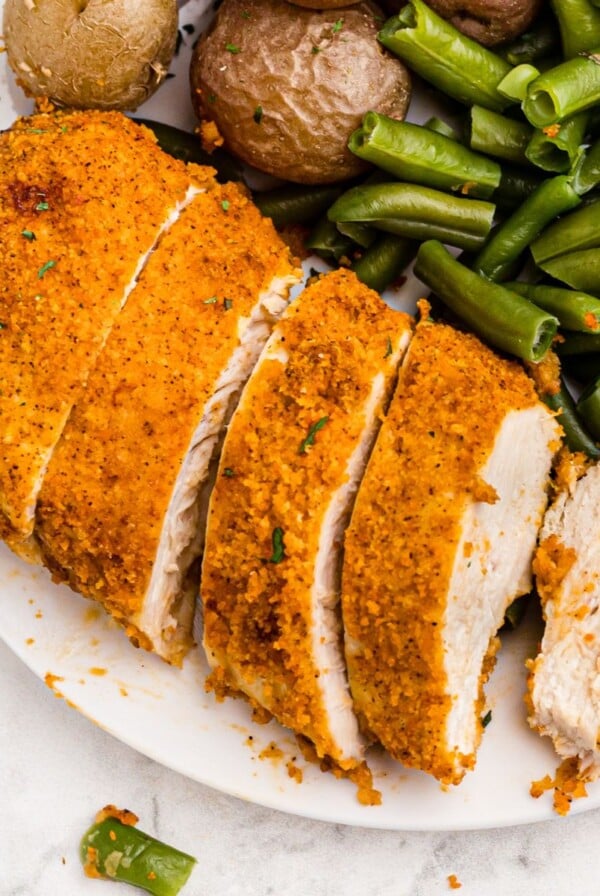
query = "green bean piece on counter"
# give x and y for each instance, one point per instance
(537, 43)
(580, 270)
(578, 230)
(557, 148)
(296, 203)
(588, 408)
(442, 55)
(514, 85)
(498, 257)
(118, 851)
(576, 435)
(574, 310)
(413, 153)
(385, 260)
(579, 25)
(187, 147)
(499, 136)
(417, 212)
(571, 87)
(327, 242)
(502, 318)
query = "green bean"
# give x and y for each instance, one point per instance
(413, 153)
(579, 25)
(187, 147)
(514, 85)
(439, 53)
(539, 42)
(438, 126)
(580, 270)
(588, 408)
(558, 147)
(578, 230)
(575, 310)
(296, 203)
(327, 241)
(501, 317)
(121, 852)
(586, 172)
(385, 260)
(361, 234)
(582, 367)
(499, 136)
(506, 245)
(576, 435)
(516, 184)
(571, 87)
(417, 213)
(578, 344)
(516, 612)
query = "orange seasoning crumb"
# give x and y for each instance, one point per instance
(294, 771)
(125, 816)
(271, 751)
(50, 679)
(30, 641)
(591, 321)
(453, 882)
(90, 868)
(97, 670)
(551, 563)
(568, 784)
(209, 136)
(551, 130)
(467, 187)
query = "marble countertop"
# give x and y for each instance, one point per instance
(57, 769)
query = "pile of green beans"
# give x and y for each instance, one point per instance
(514, 185)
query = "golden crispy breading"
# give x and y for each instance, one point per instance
(105, 497)
(452, 395)
(285, 456)
(82, 196)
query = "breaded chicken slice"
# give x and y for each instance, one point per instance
(292, 459)
(440, 543)
(120, 513)
(565, 676)
(83, 199)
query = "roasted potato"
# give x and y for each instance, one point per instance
(323, 4)
(105, 54)
(286, 86)
(489, 22)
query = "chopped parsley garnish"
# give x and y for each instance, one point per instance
(211, 301)
(28, 234)
(278, 546)
(233, 48)
(212, 98)
(258, 114)
(36, 131)
(45, 268)
(227, 304)
(389, 349)
(486, 719)
(2, 325)
(225, 205)
(337, 26)
(316, 50)
(246, 14)
(228, 472)
(310, 436)
(42, 207)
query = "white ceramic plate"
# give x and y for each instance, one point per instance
(165, 713)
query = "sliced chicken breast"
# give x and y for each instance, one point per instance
(292, 460)
(83, 199)
(120, 511)
(565, 676)
(440, 542)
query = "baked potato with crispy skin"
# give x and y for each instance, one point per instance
(103, 54)
(489, 22)
(286, 86)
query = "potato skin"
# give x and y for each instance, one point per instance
(323, 4)
(294, 84)
(106, 54)
(489, 22)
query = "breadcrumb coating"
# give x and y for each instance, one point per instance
(285, 457)
(82, 197)
(453, 393)
(105, 497)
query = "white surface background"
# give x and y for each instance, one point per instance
(57, 769)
